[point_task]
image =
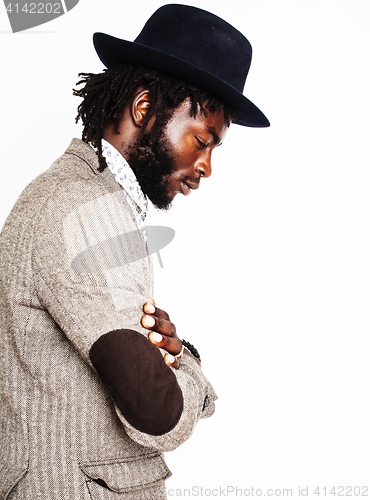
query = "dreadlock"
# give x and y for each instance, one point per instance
(105, 96)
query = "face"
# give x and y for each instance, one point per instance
(192, 141)
(181, 157)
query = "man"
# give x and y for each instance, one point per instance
(88, 403)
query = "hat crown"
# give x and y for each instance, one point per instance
(200, 38)
(195, 46)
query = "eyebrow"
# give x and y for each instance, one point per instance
(216, 138)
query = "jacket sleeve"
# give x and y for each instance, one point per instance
(92, 274)
(198, 402)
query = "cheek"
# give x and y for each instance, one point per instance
(184, 164)
(186, 154)
(183, 150)
(179, 141)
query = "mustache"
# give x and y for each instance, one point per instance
(191, 180)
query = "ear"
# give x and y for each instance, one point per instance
(140, 106)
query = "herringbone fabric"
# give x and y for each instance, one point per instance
(74, 266)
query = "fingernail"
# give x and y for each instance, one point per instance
(170, 358)
(149, 308)
(148, 321)
(157, 337)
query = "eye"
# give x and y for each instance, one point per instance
(201, 144)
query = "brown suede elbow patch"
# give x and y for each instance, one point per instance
(143, 387)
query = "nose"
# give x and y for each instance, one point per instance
(203, 167)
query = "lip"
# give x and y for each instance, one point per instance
(193, 185)
(187, 187)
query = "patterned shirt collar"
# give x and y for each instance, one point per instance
(127, 179)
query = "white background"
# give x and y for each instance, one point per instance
(269, 272)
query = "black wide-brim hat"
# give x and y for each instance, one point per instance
(193, 45)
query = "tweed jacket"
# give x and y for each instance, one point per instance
(88, 406)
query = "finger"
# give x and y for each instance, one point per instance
(148, 321)
(171, 345)
(165, 326)
(172, 361)
(160, 313)
(159, 325)
(150, 300)
(150, 308)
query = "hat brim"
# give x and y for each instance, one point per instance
(112, 50)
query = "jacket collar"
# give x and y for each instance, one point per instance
(84, 151)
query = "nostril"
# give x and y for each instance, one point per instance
(201, 170)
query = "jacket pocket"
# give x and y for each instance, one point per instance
(9, 479)
(123, 475)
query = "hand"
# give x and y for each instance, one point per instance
(163, 332)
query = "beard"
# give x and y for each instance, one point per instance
(153, 162)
